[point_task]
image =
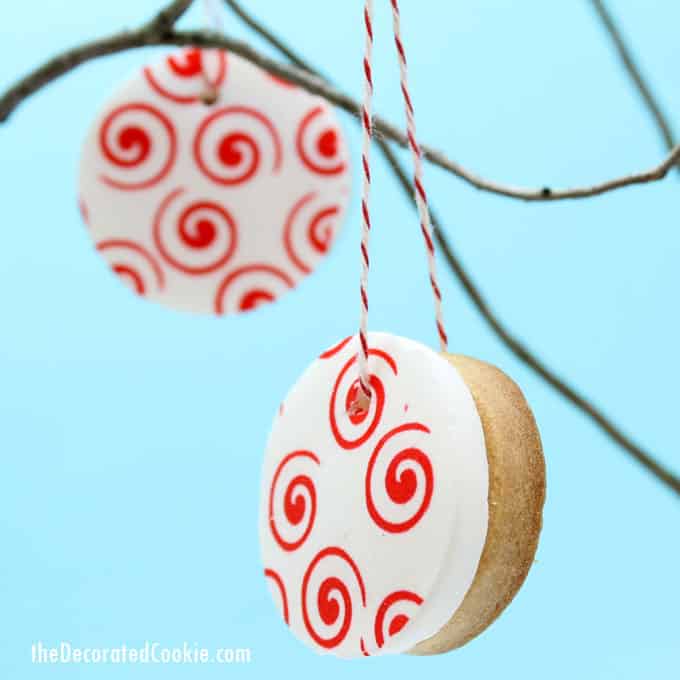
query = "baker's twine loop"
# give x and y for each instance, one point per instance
(362, 401)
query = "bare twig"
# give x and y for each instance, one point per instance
(634, 72)
(168, 17)
(519, 349)
(278, 44)
(160, 31)
(524, 354)
(158, 34)
(150, 33)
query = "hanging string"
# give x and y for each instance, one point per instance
(364, 393)
(213, 17)
(367, 127)
(419, 188)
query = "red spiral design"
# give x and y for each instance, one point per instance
(276, 578)
(282, 82)
(129, 271)
(234, 147)
(134, 144)
(131, 276)
(189, 67)
(318, 233)
(196, 229)
(401, 487)
(84, 211)
(189, 64)
(257, 294)
(329, 353)
(294, 502)
(324, 156)
(331, 590)
(397, 622)
(359, 418)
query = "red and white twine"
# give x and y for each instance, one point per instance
(418, 182)
(367, 125)
(419, 188)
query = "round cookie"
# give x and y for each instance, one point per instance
(515, 501)
(409, 526)
(214, 206)
(373, 523)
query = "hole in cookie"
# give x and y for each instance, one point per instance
(210, 96)
(357, 403)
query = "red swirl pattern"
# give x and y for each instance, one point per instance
(317, 235)
(318, 144)
(320, 232)
(199, 239)
(84, 211)
(336, 349)
(258, 285)
(276, 578)
(363, 422)
(127, 142)
(333, 598)
(398, 621)
(299, 491)
(401, 481)
(133, 264)
(232, 155)
(188, 74)
(282, 82)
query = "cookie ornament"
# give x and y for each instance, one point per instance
(402, 488)
(210, 186)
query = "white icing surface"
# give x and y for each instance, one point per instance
(366, 569)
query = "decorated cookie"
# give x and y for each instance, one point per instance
(213, 207)
(380, 529)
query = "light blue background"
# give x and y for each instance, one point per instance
(131, 436)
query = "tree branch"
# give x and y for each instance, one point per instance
(168, 17)
(160, 31)
(524, 354)
(478, 300)
(149, 34)
(157, 33)
(631, 67)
